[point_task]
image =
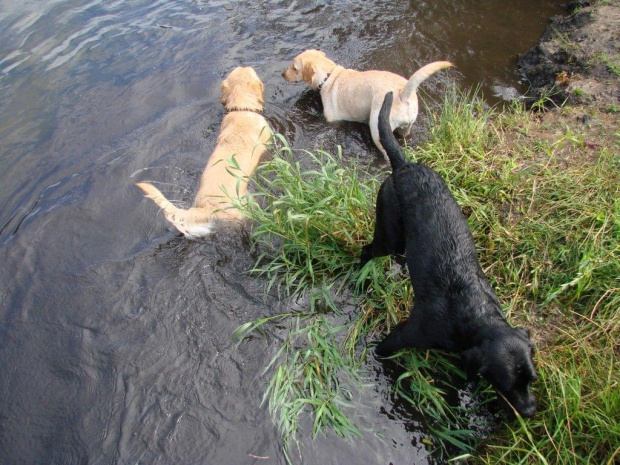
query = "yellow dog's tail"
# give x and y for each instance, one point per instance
(194, 222)
(420, 76)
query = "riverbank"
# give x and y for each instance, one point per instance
(578, 59)
(573, 137)
(540, 187)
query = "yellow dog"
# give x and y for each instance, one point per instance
(243, 136)
(350, 95)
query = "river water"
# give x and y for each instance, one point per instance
(115, 333)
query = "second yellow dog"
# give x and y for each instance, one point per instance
(350, 95)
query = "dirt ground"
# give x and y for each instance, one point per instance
(574, 74)
(578, 59)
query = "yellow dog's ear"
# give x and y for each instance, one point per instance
(307, 72)
(225, 91)
(259, 88)
(314, 50)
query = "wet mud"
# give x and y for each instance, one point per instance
(578, 58)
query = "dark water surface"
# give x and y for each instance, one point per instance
(115, 334)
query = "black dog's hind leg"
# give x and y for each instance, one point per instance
(388, 237)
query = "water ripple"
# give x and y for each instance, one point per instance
(45, 37)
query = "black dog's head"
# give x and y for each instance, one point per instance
(506, 362)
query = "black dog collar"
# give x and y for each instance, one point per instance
(324, 81)
(230, 110)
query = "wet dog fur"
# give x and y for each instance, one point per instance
(455, 307)
(243, 135)
(350, 95)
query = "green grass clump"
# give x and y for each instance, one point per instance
(309, 222)
(612, 65)
(310, 373)
(543, 206)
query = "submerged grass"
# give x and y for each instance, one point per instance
(310, 373)
(542, 198)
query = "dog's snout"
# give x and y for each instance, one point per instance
(528, 408)
(528, 411)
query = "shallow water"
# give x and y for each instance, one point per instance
(115, 334)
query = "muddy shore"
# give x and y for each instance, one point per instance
(578, 59)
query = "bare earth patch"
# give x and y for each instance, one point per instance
(578, 59)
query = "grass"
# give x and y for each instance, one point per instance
(541, 196)
(612, 65)
(310, 372)
(315, 220)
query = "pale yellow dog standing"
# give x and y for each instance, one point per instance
(243, 137)
(350, 95)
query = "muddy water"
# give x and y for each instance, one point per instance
(115, 334)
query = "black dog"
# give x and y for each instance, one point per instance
(455, 307)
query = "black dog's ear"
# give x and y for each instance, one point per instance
(474, 362)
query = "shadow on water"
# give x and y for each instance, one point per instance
(115, 334)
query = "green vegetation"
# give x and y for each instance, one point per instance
(310, 372)
(543, 203)
(312, 223)
(612, 65)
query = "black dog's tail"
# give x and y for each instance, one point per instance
(386, 136)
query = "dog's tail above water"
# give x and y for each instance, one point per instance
(420, 76)
(386, 136)
(193, 223)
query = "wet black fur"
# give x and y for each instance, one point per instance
(455, 307)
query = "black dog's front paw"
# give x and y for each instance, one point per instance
(387, 346)
(365, 256)
(393, 342)
(383, 350)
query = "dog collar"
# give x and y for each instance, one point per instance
(230, 110)
(320, 86)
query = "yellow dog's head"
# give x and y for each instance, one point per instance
(242, 90)
(311, 66)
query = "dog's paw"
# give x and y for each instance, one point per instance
(365, 256)
(383, 350)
